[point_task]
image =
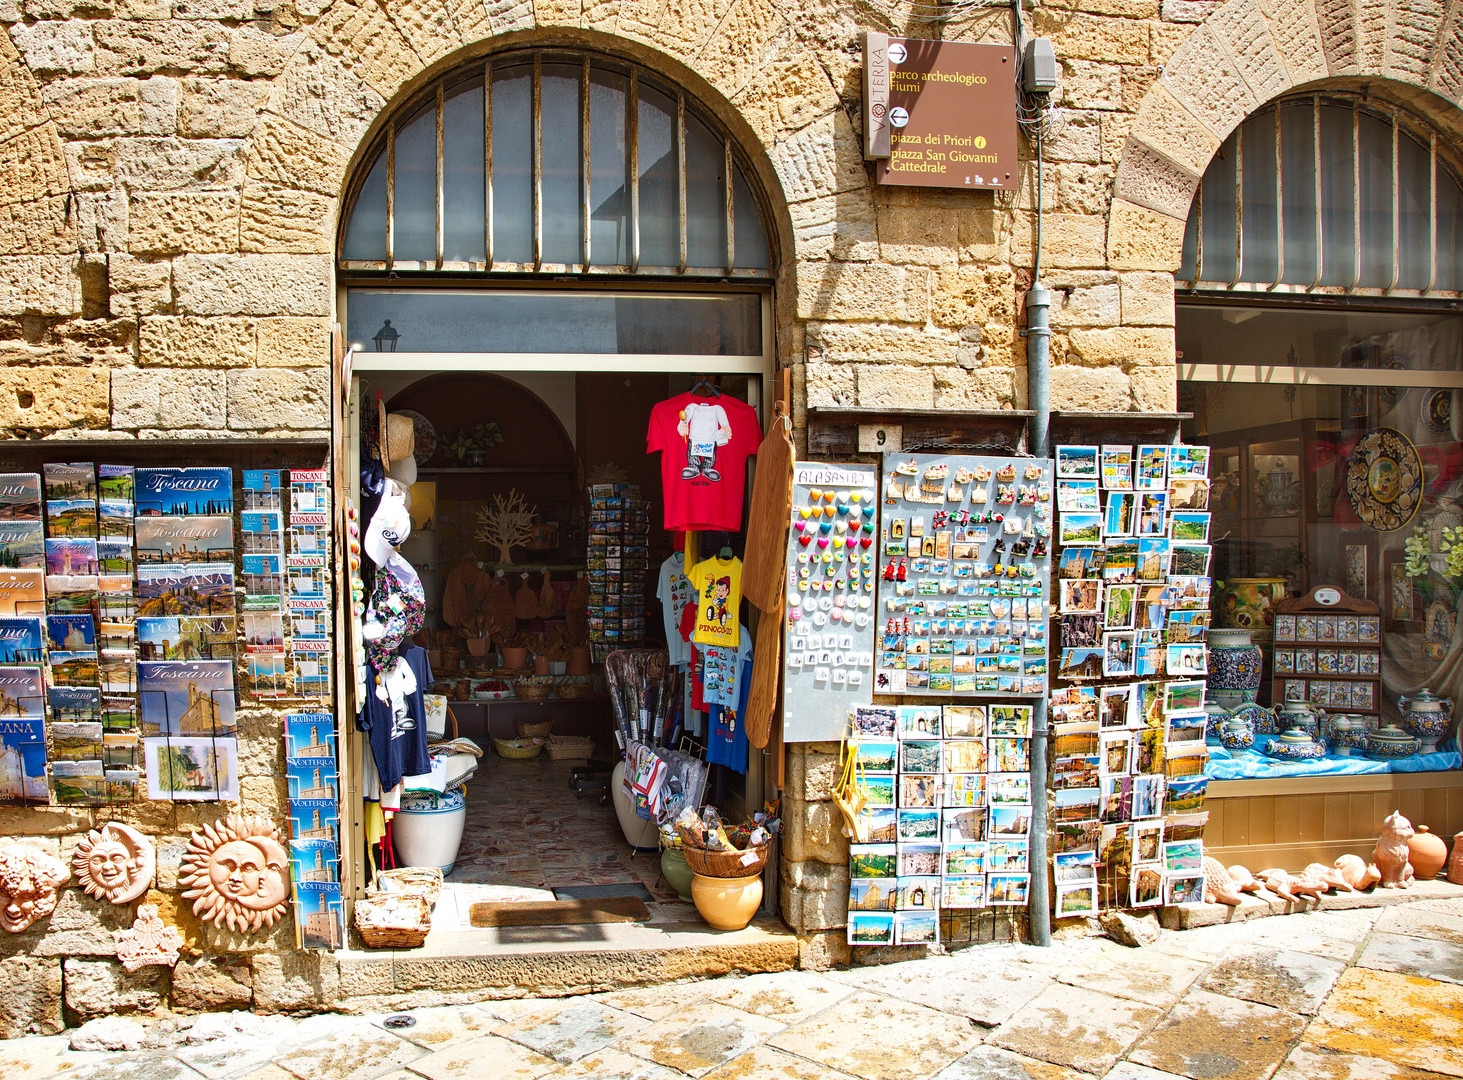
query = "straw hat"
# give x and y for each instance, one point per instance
(398, 435)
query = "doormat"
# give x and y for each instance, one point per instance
(612, 909)
(599, 892)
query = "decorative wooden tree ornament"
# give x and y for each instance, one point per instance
(28, 883)
(148, 940)
(507, 524)
(114, 863)
(236, 872)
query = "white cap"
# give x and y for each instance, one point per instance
(390, 525)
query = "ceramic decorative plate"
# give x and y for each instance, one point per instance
(1437, 410)
(426, 435)
(1384, 480)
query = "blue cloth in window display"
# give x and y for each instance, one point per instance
(1236, 667)
(1253, 765)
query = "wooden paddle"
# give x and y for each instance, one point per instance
(768, 518)
(766, 666)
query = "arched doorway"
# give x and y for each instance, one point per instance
(537, 249)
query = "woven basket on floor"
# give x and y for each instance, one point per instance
(395, 935)
(724, 864)
(534, 730)
(518, 749)
(571, 748)
(423, 881)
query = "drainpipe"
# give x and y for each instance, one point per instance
(1038, 393)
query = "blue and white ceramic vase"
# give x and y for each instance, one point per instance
(1236, 667)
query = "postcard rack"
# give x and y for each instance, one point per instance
(1328, 653)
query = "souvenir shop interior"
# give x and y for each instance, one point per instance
(576, 539)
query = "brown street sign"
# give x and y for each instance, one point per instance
(951, 115)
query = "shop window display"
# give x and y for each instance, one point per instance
(1336, 474)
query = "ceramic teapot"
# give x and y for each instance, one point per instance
(1300, 714)
(1236, 734)
(1295, 745)
(1425, 716)
(1390, 743)
(1346, 733)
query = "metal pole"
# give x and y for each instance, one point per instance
(1038, 376)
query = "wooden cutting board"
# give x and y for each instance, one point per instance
(767, 519)
(766, 666)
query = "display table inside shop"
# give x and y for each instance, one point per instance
(1254, 765)
(580, 717)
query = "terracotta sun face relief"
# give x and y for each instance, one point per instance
(114, 863)
(28, 883)
(236, 872)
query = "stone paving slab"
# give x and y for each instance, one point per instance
(1294, 981)
(655, 1002)
(765, 1063)
(1310, 1063)
(1210, 1037)
(881, 1039)
(1440, 960)
(1399, 1018)
(482, 1058)
(39, 1056)
(786, 997)
(698, 1039)
(573, 1032)
(437, 1029)
(612, 1064)
(362, 1055)
(993, 1063)
(156, 1065)
(1131, 1070)
(1418, 920)
(1160, 979)
(987, 994)
(227, 1058)
(1068, 1025)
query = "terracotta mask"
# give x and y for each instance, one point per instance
(114, 863)
(28, 883)
(236, 873)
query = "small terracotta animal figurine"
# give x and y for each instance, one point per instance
(1391, 852)
(1329, 875)
(1218, 885)
(1243, 880)
(1455, 861)
(1358, 873)
(1289, 887)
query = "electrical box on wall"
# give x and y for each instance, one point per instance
(1039, 67)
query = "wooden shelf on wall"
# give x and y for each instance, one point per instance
(834, 432)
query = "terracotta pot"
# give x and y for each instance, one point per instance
(477, 646)
(638, 833)
(515, 658)
(1455, 864)
(677, 873)
(464, 689)
(450, 659)
(727, 903)
(1426, 853)
(579, 661)
(540, 665)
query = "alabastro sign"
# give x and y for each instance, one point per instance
(940, 113)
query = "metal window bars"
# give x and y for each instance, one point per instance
(590, 261)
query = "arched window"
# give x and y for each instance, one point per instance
(555, 162)
(1327, 193)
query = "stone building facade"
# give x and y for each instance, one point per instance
(171, 180)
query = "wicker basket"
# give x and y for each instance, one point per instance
(518, 749)
(571, 748)
(535, 730)
(533, 689)
(394, 935)
(725, 864)
(575, 689)
(423, 881)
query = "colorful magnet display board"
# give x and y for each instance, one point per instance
(964, 569)
(829, 621)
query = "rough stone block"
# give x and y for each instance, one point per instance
(128, 47)
(101, 988)
(32, 166)
(41, 227)
(860, 291)
(1127, 9)
(189, 341)
(47, 399)
(811, 776)
(219, 108)
(1246, 35)
(213, 9)
(20, 100)
(1207, 81)
(830, 386)
(252, 285)
(1095, 37)
(284, 219)
(90, 108)
(139, 286)
(824, 158)
(212, 982)
(1155, 389)
(1147, 299)
(59, 47)
(1188, 11)
(815, 831)
(154, 164)
(1121, 346)
(255, 52)
(1067, 240)
(293, 342)
(1080, 389)
(814, 896)
(925, 235)
(31, 1004)
(972, 294)
(823, 950)
(1079, 139)
(895, 386)
(1297, 36)
(318, 93)
(836, 226)
(279, 398)
(368, 44)
(1089, 85)
(997, 387)
(288, 155)
(168, 399)
(792, 89)
(1152, 179)
(1166, 125)
(1143, 239)
(173, 222)
(877, 344)
(291, 980)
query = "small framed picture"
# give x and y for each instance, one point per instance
(1188, 461)
(1294, 690)
(1120, 602)
(1151, 468)
(1076, 901)
(1080, 528)
(1117, 467)
(1078, 495)
(1189, 526)
(1082, 596)
(1077, 463)
(1120, 516)
(1186, 889)
(1118, 651)
(1185, 660)
(1013, 889)
(1145, 887)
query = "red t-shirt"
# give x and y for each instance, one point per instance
(704, 444)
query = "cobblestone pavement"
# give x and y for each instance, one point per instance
(1370, 994)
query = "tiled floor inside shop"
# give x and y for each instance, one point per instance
(526, 830)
